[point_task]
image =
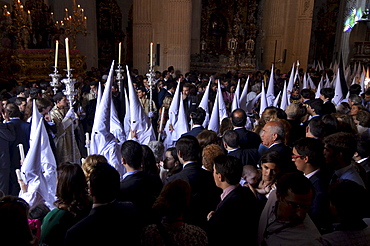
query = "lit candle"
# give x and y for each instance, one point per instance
(52, 16)
(151, 54)
(29, 16)
(56, 53)
(66, 10)
(119, 52)
(85, 21)
(67, 56)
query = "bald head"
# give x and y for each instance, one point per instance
(272, 132)
(239, 118)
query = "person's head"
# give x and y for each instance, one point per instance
(326, 94)
(231, 139)
(89, 164)
(132, 153)
(355, 108)
(148, 162)
(188, 149)
(251, 175)
(186, 89)
(225, 125)
(71, 188)
(61, 100)
(141, 93)
(363, 118)
(354, 99)
(367, 95)
(270, 163)
(104, 183)
(14, 210)
(348, 200)
(43, 105)
(314, 106)
(339, 149)
(331, 124)
(308, 154)
(21, 102)
(198, 116)
(207, 137)
(171, 160)
(294, 194)
(209, 153)
(307, 94)
(35, 92)
(238, 118)
(173, 200)
(272, 132)
(295, 111)
(315, 128)
(158, 150)
(355, 89)
(227, 171)
(12, 110)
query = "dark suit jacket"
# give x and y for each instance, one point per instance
(320, 208)
(142, 189)
(22, 135)
(205, 194)
(248, 139)
(247, 156)
(235, 220)
(194, 132)
(161, 95)
(106, 225)
(328, 108)
(284, 151)
(190, 105)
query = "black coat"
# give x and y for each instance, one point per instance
(235, 219)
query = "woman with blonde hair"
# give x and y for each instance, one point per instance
(90, 162)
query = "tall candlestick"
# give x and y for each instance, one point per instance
(119, 52)
(151, 54)
(67, 55)
(56, 53)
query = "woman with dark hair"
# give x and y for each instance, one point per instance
(272, 167)
(14, 227)
(171, 162)
(148, 162)
(171, 229)
(72, 204)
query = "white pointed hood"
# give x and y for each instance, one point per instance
(204, 103)
(139, 120)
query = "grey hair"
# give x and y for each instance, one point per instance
(158, 150)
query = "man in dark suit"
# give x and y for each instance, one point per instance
(308, 156)
(273, 136)
(137, 186)
(248, 139)
(204, 193)
(109, 221)
(22, 136)
(230, 141)
(190, 101)
(198, 118)
(234, 219)
(326, 95)
(168, 91)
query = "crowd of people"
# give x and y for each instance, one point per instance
(293, 176)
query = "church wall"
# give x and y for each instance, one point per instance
(286, 24)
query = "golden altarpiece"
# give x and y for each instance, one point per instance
(28, 34)
(228, 36)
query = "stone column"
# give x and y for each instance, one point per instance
(142, 34)
(179, 35)
(289, 25)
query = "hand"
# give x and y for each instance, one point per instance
(170, 128)
(71, 114)
(210, 215)
(133, 133)
(47, 117)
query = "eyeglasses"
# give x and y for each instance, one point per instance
(297, 156)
